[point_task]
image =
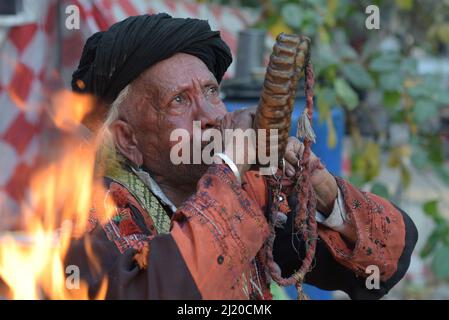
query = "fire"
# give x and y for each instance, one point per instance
(68, 109)
(61, 196)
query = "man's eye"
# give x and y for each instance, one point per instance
(213, 90)
(178, 99)
(178, 103)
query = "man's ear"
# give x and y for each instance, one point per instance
(126, 141)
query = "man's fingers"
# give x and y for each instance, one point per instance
(291, 158)
(290, 163)
(301, 148)
(293, 153)
(289, 169)
(292, 145)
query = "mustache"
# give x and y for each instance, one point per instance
(206, 141)
(203, 144)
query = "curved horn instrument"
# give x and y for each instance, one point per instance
(287, 63)
(289, 60)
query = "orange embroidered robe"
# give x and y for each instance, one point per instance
(212, 250)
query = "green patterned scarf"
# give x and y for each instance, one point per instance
(115, 168)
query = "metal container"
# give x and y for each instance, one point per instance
(250, 53)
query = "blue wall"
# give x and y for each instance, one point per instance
(332, 158)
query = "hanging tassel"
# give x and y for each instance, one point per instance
(299, 280)
(301, 294)
(304, 128)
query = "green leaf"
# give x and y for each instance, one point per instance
(404, 4)
(385, 63)
(440, 263)
(430, 245)
(344, 91)
(405, 176)
(326, 56)
(312, 19)
(441, 226)
(332, 135)
(345, 51)
(381, 190)
(368, 163)
(392, 99)
(419, 157)
(357, 75)
(390, 81)
(434, 149)
(292, 15)
(324, 35)
(326, 99)
(409, 65)
(329, 17)
(431, 210)
(431, 83)
(370, 48)
(442, 173)
(420, 92)
(441, 97)
(357, 180)
(425, 109)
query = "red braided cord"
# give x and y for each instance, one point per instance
(306, 195)
(305, 221)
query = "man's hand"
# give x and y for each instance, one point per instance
(323, 182)
(240, 119)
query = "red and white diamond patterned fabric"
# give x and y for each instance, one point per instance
(29, 54)
(100, 14)
(25, 58)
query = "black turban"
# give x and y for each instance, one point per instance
(114, 58)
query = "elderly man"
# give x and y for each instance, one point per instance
(196, 231)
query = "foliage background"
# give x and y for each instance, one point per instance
(374, 75)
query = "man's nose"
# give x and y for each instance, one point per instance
(208, 113)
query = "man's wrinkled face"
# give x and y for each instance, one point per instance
(172, 94)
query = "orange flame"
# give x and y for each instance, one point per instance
(61, 197)
(68, 109)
